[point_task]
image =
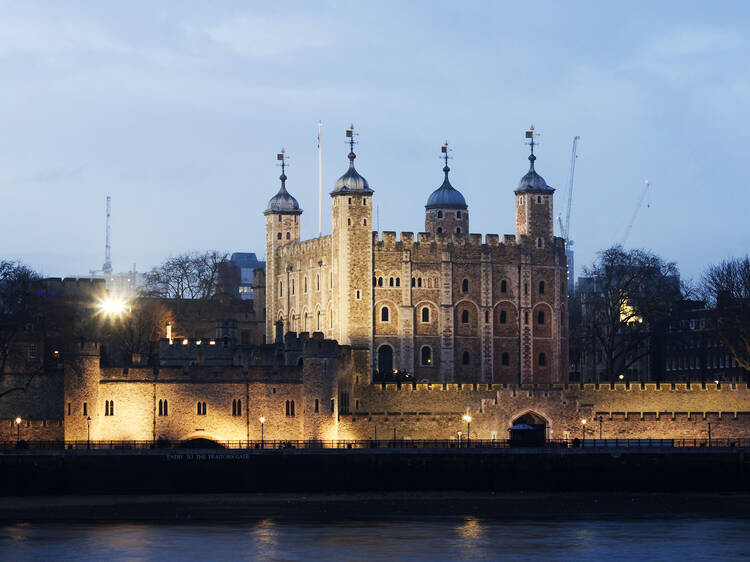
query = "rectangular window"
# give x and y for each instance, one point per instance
(85, 409)
(68, 408)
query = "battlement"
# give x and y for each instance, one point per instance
(72, 286)
(387, 240)
(306, 247)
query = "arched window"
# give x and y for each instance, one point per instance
(317, 405)
(287, 236)
(413, 282)
(419, 282)
(287, 407)
(348, 222)
(425, 314)
(391, 282)
(464, 316)
(503, 286)
(106, 407)
(161, 408)
(278, 236)
(503, 317)
(166, 408)
(542, 359)
(111, 407)
(458, 230)
(440, 216)
(318, 325)
(505, 359)
(541, 287)
(465, 286)
(538, 198)
(398, 281)
(199, 408)
(350, 200)
(466, 358)
(384, 314)
(440, 230)
(291, 409)
(364, 222)
(539, 243)
(458, 214)
(234, 407)
(380, 281)
(540, 317)
(426, 355)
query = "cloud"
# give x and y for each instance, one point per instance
(261, 37)
(705, 41)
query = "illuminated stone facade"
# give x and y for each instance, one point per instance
(446, 306)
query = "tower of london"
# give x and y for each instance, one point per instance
(446, 306)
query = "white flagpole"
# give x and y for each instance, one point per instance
(320, 182)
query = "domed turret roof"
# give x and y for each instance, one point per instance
(283, 202)
(351, 181)
(533, 181)
(446, 196)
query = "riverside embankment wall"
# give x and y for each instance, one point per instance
(179, 471)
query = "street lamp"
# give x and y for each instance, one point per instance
(467, 419)
(262, 421)
(600, 427)
(88, 432)
(18, 428)
(583, 428)
(709, 434)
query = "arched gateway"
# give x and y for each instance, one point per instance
(528, 430)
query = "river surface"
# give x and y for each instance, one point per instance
(429, 538)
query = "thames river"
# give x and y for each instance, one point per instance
(428, 537)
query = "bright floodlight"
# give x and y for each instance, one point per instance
(467, 418)
(262, 419)
(18, 421)
(112, 306)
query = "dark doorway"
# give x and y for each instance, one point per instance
(385, 360)
(200, 443)
(529, 430)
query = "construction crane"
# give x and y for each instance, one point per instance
(635, 212)
(565, 228)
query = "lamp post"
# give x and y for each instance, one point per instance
(262, 421)
(18, 429)
(467, 419)
(583, 429)
(709, 434)
(88, 432)
(600, 428)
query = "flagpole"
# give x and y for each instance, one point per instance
(320, 182)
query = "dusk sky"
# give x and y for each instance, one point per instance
(177, 110)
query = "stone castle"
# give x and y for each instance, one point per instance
(370, 337)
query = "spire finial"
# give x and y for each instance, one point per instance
(350, 134)
(444, 149)
(530, 134)
(282, 157)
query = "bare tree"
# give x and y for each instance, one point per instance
(625, 308)
(138, 332)
(19, 307)
(726, 287)
(187, 276)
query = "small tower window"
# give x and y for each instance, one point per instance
(357, 294)
(542, 359)
(426, 355)
(458, 214)
(540, 317)
(526, 317)
(419, 282)
(464, 316)
(503, 286)
(413, 282)
(384, 314)
(538, 198)
(465, 286)
(391, 281)
(466, 358)
(317, 282)
(539, 243)
(440, 214)
(541, 287)
(317, 406)
(281, 288)
(350, 200)
(380, 281)
(364, 201)
(349, 222)
(505, 359)
(440, 230)
(287, 236)
(364, 222)
(425, 314)
(305, 287)
(486, 316)
(458, 230)
(398, 281)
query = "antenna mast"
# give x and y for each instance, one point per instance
(320, 180)
(107, 267)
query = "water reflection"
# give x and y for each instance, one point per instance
(437, 538)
